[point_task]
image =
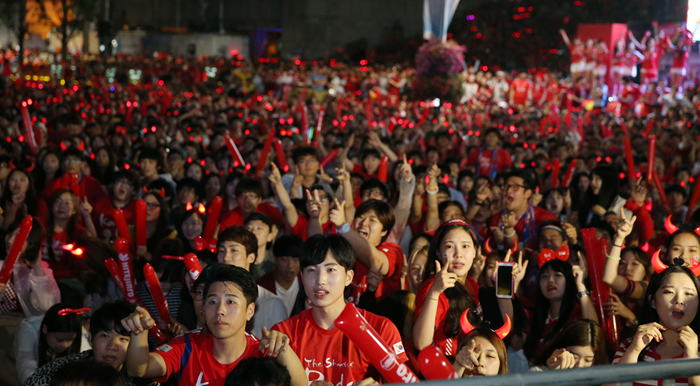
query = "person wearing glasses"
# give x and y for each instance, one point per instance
(157, 224)
(72, 163)
(306, 161)
(122, 196)
(519, 221)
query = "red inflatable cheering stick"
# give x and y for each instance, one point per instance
(24, 228)
(141, 234)
(330, 157)
(383, 172)
(352, 324)
(114, 270)
(596, 251)
(127, 274)
(28, 129)
(265, 152)
(434, 365)
(213, 219)
(156, 292)
(193, 266)
(122, 228)
(233, 149)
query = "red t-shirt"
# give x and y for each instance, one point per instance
(191, 358)
(359, 169)
(520, 88)
(103, 218)
(235, 216)
(330, 355)
(301, 228)
(483, 160)
(61, 263)
(88, 187)
(447, 345)
(392, 280)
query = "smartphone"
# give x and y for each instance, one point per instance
(505, 280)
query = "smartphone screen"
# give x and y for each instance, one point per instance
(504, 281)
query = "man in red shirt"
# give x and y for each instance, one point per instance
(201, 358)
(490, 159)
(373, 221)
(249, 194)
(326, 352)
(519, 217)
(125, 184)
(521, 91)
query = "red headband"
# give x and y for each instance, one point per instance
(69, 311)
(467, 327)
(659, 266)
(547, 254)
(489, 250)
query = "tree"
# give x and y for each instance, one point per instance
(69, 18)
(12, 14)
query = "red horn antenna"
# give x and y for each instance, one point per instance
(162, 192)
(31, 167)
(505, 328)
(670, 228)
(697, 231)
(695, 269)
(145, 191)
(656, 262)
(464, 322)
(487, 246)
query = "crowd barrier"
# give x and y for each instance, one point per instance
(598, 375)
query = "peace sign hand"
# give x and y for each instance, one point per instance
(313, 204)
(625, 226)
(337, 214)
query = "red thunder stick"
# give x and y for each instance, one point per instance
(113, 269)
(382, 357)
(281, 158)
(650, 125)
(193, 266)
(651, 157)
(660, 189)
(265, 152)
(383, 169)
(693, 200)
(339, 108)
(319, 126)
(330, 157)
(434, 365)
(555, 172)
(127, 274)
(631, 169)
(213, 219)
(24, 228)
(122, 228)
(28, 130)
(141, 234)
(233, 149)
(129, 110)
(305, 123)
(596, 251)
(156, 292)
(569, 174)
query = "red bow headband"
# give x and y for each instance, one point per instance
(467, 327)
(73, 311)
(547, 254)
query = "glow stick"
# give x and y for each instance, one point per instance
(156, 291)
(213, 219)
(24, 228)
(141, 233)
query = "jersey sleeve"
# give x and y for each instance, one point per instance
(300, 228)
(172, 353)
(392, 337)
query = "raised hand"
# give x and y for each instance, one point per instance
(313, 204)
(578, 275)
(561, 359)
(337, 214)
(85, 207)
(625, 226)
(468, 356)
(138, 321)
(406, 170)
(275, 177)
(617, 307)
(689, 340)
(645, 334)
(443, 278)
(342, 174)
(483, 193)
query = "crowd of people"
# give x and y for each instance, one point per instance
(325, 185)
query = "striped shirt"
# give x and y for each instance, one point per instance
(172, 298)
(648, 355)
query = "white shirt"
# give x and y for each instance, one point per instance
(288, 296)
(269, 310)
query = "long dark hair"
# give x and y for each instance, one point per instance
(581, 332)
(542, 311)
(648, 313)
(460, 298)
(30, 197)
(605, 197)
(163, 228)
(72, 222)
(57, 323)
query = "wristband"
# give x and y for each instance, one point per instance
(344, 229)
(613, 258)
(615, 245)
(511, 234)
(427, 190)
(583, 294)
(477, 203)
(437, 300)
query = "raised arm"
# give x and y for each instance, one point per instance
(343, 176)
(85, 210)
(276, 344)
(313, 206)
(402, 210)
(565, 37)
(610, 275)
(424, 327)
(587, 307)
(432, 218)
(140, 363)
(365, 252)
(343, 154)
(381, 146)
(481, 196)
(290, 212)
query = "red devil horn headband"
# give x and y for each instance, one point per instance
(73, 311)
(489, 250)
(659, 266)
(467, 327)
(670, 228)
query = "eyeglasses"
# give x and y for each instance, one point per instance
(249, 196)
(304, 161)
(122, 183)
(152, 205)
(513, 187)
(72, 161)
(197, 294)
